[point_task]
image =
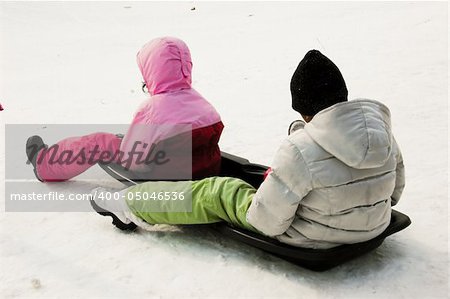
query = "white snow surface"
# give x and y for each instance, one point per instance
(74, 63)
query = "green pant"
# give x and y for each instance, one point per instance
(214, 199)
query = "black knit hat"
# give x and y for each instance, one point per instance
(316, 84)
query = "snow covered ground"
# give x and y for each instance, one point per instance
(74, 63)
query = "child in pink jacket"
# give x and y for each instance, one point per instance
(174, 108)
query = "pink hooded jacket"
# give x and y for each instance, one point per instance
(176, 118)
(174, 107)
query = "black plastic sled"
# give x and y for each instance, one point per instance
(313, 259)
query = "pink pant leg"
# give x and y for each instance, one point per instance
(73, 155)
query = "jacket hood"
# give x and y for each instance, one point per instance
(357, 132)
(165, 64)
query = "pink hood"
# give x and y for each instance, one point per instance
(165, 64)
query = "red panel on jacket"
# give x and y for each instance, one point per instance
(205, 151)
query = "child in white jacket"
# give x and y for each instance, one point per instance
(333, 181)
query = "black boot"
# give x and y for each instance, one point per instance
(116, 221)
(34, 145)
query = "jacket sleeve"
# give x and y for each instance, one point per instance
(274, 205)
(140, 136)
(399, 178)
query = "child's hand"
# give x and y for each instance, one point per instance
(295, 126)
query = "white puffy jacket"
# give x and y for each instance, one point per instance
(332, 182)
